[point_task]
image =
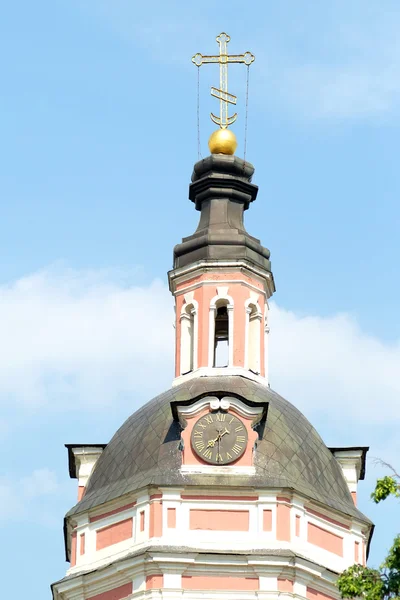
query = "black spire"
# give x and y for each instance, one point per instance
(221, 189)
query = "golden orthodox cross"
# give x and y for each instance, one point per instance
(223, 58)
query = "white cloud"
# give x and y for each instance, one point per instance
(329, 365)
(71, 338)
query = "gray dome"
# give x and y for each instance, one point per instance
(145, 451)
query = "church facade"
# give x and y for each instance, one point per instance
(218, 488)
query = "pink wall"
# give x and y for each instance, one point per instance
(73, 549)
(200, 582)
(219, 520)
(171, 517)
(324, 539)
(116, 594)
(154, 582)
(155, 524)
(283, 520)
(267, 520)
(81, 491)
(313, 594)
(118, 532)
(357, 552)
(285, 585)
(82, 544)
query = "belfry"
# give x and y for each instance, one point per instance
(219, 487)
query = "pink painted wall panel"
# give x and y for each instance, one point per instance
(82, 544)
(200, 582)
(285, 585)
(357, 552)
(171, 518)
(154, 582)
(73, 549)
(313, 594)
(116, 594)
(219, 520)
(117, 532)
(267, 520)
(283, 523)
(155, 525)
(324, 539)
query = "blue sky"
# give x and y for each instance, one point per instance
(99, 136)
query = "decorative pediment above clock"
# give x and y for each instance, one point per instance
(184, 411)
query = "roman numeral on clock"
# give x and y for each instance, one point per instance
(220, 416)
(199, 445)
(241, 439)
(207, 453)
(237, 449)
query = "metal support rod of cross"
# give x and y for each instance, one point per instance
(221, 93)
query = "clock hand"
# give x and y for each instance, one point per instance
(211, 443)
(223, 433)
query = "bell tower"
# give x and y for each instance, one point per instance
(221, 279)
(218, 487)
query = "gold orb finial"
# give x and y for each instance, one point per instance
(222, 141)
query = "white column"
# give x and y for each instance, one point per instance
(230, 333)
(246, 338)
(266, 348)
(195, 341)
(186, 324)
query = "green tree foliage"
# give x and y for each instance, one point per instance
(383, 583)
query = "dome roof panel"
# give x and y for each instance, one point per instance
(145, 451)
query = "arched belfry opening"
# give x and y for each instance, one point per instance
(221, 335)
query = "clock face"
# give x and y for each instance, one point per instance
(219, 438)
